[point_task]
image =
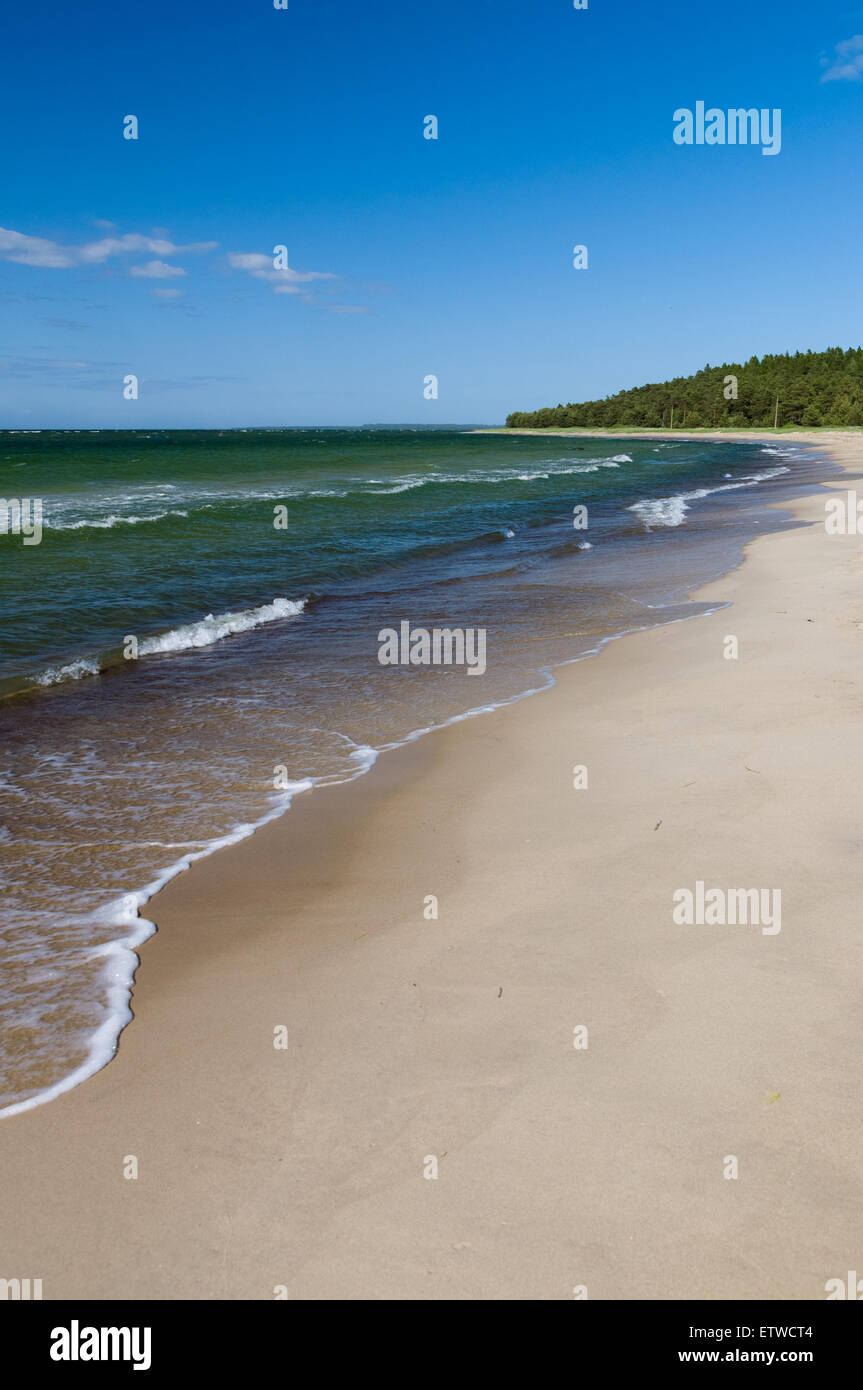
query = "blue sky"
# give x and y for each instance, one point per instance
(260, 127)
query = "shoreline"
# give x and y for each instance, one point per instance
(127, 910)
(435, 803)
(754, 435)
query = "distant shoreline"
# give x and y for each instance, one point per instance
(809, 436)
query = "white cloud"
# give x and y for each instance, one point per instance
(252, 261)
(167, 294)
(847, 62)
(285, 281)
(98, 251)
(42, 253)
(51, 255)
(156, 270)
(32, 250)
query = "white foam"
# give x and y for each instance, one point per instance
(121, 961)
(212, 629)
(73, 671)
(120, 958)
(671, 511)
(665, 511)
(761, 477)
(563, 472)
(406, 486)
(185, 638)
(106, 523)
(545, 468)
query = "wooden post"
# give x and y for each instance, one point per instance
(776, 415)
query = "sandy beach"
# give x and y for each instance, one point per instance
(599, 1168)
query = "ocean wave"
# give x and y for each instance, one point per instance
(193, 499)
(107, 522)
(750, 478)
(544, 468)
(438, 549)
(73, 671)
(407, 486)
(665, 511)
(561, 472)
(187, 637)
(671, 511)
(212, 629)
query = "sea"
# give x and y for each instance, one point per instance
(195, 641)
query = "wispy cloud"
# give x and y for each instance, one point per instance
(184, 383)
(58, 371)
(167, 294)
(51, 255)
(285, 281)
(98, 251)
(156, 270)
(289, 281)
(94, 376)
(847, 62)
(72, 324)
(43, 253)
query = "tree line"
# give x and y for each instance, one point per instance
(803, 388)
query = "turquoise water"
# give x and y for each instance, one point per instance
(258, 646)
